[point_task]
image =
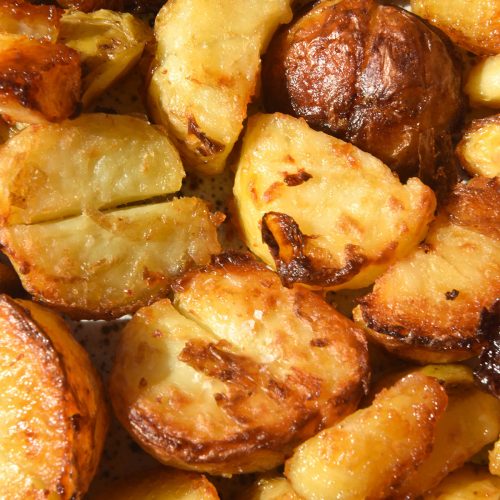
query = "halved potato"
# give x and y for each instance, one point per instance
(494, 459)
(471, 24)
(429, 306)
(53, 417)
(479, 150)
(35, 21)
(160, 484)
(103, 265)
(109, 43)
(206, 71)
(39, 80)
(97, 161)
(370, 452)
(236, 371)
(483, 83)
(271, 488)
(321, 211)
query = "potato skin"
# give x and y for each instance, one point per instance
(254, 369)
(53, 398)
(373, 75)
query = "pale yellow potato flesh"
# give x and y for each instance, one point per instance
(53, 417)
(271, 488)
(109, 264)
(206, 71)
(483, 83)
(370, 452)
(96, 161)
(494, 459)
(355, 217)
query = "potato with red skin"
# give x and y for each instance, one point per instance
(374, 75)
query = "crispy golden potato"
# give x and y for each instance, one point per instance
(105, 265)
(97, 161)
(109, 43)
(468, 483)
(19, 17)
(271, 487)
(429, 306)
(39, 80)
(370, 452)
(483, 83)
(479, 150)
(160, 484)
(206, 71)
(321, 211)
(471, 24)
(53, 416)
(236, 371)
(494, 459)
(373, 75)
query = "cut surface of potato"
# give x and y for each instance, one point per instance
(160, 484)
(494, 459)
(271, 488)
(52, 171)
(53, 416)
(321, 211)
(483, 83)
(429, 306)
(109, 44)
(236, 371)
(39, 80)
(479, 150)
(371, 451)
(108, 264)
(471, 24)
(19, 17)
(206, 71)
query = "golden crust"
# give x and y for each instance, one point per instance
(247, 379)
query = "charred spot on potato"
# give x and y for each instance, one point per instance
(297, 179)
(208, 146)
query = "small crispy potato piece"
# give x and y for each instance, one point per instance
(271, 488)
(483, 83)
(39, 80)
(237, 371)
(109, 43)
(55, 170)
(321, 211)
(494, 459)
(479, 150)
(371, 451)
(206, 71)
(160, 484)
(468, 483)
(19, 17)
(472, 24)
(53, 417)
(429, 306)
(104, 265)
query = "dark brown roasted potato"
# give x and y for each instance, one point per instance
(374, 75)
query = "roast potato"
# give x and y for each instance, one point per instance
(206, 71)
(236, 371)
(471, 24)
(479, 150)
(19, 17)
(39, 80)
(53, 416)
(90, 5)
(429, 306)
(109, 44)
(483, 83)
(321, 211)
(271, 487)
(373, 75)
(371, 451)
(494, 459)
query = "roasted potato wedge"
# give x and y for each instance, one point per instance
(429, 306)
(321, 211)
(483, 83)
(471, 24)
(109, 43)
(271, 488)
(468, 483)
(160, 484)
(95, 162)
(39, 80)
(53, 416)
(19, 17)
(370, 74)
(206, 71)
(479, 150)
(371, 451)
(494, 459)
(236, 371)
